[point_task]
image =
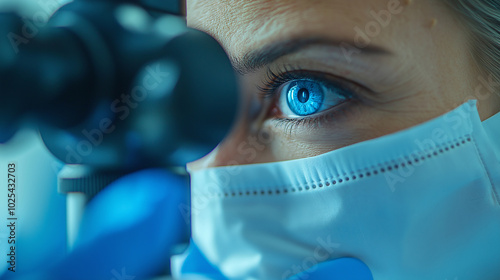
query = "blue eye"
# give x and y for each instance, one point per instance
(306, 97)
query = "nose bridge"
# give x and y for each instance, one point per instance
(247, 142)
(241, 146)
(233, 150)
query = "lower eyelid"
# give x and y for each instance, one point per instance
(335, 115)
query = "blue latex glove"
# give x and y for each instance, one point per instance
(130, 226)
(342, 269)
(128, 230)
(195, 263)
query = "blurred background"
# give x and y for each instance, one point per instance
(41, 210)
(41, 231)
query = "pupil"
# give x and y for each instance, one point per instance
(303, 95)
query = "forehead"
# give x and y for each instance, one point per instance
(241, 25)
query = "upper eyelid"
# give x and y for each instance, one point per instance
(274, 80)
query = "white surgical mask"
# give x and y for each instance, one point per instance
(422, 203)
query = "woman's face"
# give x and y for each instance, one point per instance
(318, 75)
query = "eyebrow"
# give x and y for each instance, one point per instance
(256, 59)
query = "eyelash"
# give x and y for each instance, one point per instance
(274, 80)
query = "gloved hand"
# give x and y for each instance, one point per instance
(194, 265)
(128, 229)
(342, 269)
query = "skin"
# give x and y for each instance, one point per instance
(424, 72)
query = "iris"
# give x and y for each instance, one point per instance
(305, 97)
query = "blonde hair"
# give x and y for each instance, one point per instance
(482, 17)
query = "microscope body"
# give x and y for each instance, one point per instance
(114, 87)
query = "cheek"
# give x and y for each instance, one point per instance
(329, 132)
(359, 124)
